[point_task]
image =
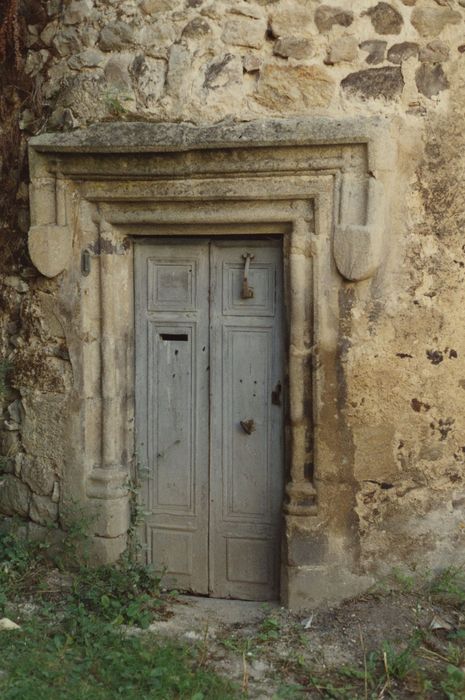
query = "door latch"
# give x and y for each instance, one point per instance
(248, 426)
(247, 292)
(276, 395)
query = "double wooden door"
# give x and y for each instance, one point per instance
(209, 413)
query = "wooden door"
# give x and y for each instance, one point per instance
(209, 361)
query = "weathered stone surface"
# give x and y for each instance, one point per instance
(383, 328)
(49, 248)
(35, 61)
(157, 38)
(244, 32)
(430, 21)
(402, 52)
(116, 36)
(436, 51)
(376, 49)
(431, 79)
(77, 11)
(149, 74)
(245, 8)
(116, 71)
(343, 49)
(47, 34)
(385, 19)
(42, 510)
(196, 28)
(375, 83)
(327, 16)
(294, 88)
(16, 283)
(290, 20)
(177, 80)
(38, 474)
(251, 63)
(151, 7)
(89, 58)
(14, 496)
(293, 47)
(218, 74)
(67, 41)
(15, 411)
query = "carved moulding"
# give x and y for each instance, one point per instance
(318, 182)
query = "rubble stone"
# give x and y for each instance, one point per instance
(327, 16)
(290, 20)
(375, 83)
(430, 21)
(431, 79)
(77, 11)
(251, 63)
(343, 49)
(385, 19)
(244, 32)
(196, 28)
(116, 36)
(376, 49)
(294, 88)
(152, 7)
(37, 474)
(435, 52)
(293, 47)
(42, 510)
(14, 496)
(402, 52)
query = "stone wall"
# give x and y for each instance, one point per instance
(402, 332)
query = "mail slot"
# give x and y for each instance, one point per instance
(174, 336)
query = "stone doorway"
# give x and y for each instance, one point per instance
(209, 411)
(314, 182)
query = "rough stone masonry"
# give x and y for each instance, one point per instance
(401, 332)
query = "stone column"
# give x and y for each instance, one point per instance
(300, 490)
(108, 481)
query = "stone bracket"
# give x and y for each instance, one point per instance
(50, 239)
(358, 248)
(50, 248)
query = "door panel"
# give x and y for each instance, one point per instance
(245, 469)
(172, 283)
(208, 359)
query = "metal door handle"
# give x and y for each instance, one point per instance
(248, 426)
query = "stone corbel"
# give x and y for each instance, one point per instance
(50, 239)
(358, 248)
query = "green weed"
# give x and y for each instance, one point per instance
(449, 586)
(400, 663)
(22, 564)
(453, 684)
(126, 593)
(47, 661)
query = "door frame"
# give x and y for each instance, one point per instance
(261, 240)
(311, 180)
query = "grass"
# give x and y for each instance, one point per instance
(81, 658)
(84, 635)
(86, 640)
